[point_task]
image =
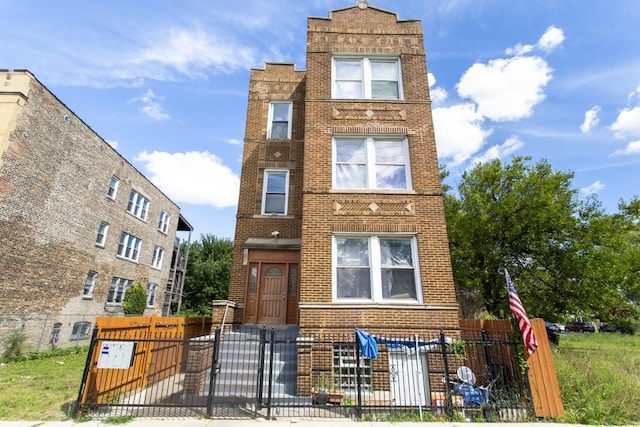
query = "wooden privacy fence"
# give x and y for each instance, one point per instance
(543, 380)
(156, 345)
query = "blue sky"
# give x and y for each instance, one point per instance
(165, 83)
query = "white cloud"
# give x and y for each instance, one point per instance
(591, 119)
(192, 52)
(631, 148)
(234, 141)
(194, 177)
(506, 89)
(628, 123)
(552, 38)
(592, 189)
(113, 144)
(150, 106)
(634, 93)
(510, 146)
(431, 79)
(438, 94)
(458, 130)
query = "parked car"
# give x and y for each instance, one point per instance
(580, 327)
(552, 327)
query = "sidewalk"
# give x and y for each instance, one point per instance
(195, 422)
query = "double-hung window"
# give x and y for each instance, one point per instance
(275, 192)
(367, 78)
(376, 268)
(118, 289)
(89, 284)
(138, 205)
(80, 330)
(129, 247)
(102, 234)
(113, 187)
(371, 163)
(163, 223)
(158, 254)
(280, 120)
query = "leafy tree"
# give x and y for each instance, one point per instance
(208, 273)
(135, 300)
(526, 218)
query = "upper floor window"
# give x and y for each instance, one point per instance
(367, 78)
(158, 254)
(102, 234)
(280, 120)
(129, 247)
(375, 268)
(371, 163)
(89, 284)
(275, 192)
(152, 289)
(113, 187)
(118, 289)
(163, 224)
(138, 205)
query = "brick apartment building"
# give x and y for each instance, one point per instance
(78, 223)
(340, 220)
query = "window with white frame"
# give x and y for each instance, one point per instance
(158, 255)
(113, 187)
(376, 268)
(152, 289)
(138, 205)
(129, 247)
(280, 120)
(163, 223)
(89, 284)
(118, 289)
(80, 330)
(102, 234)
(376, 163)
(367, 78)
(275, 191)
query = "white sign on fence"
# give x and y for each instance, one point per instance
(116, 355)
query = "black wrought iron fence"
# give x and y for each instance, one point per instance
(259, 372)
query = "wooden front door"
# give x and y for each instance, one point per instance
(272, 296)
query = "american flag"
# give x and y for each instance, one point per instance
(529, 338)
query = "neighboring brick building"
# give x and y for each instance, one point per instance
(340, 218)
(78, 223)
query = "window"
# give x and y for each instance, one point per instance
(163, 224)
(151, 295)
(367, 78)
(80, 330)
(376, 268)
(102, 234)
(275, 192)
(129, 247)
(344, 368)
(280, 120)
(371, 163)
(117, 290)
(89, 284)
(138, 205)
(113, 187)
(158, 254)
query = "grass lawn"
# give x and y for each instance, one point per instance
(42, 389)
(599, 377)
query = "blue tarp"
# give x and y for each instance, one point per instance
(368, 343)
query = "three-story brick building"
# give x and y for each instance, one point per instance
(340, 219)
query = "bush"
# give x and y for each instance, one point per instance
(135, 300)
(15, 344)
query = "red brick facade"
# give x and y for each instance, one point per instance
(317, 210)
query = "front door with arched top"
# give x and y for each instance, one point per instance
(272, 298)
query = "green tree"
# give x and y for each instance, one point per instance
(208, 273)
(135, 300)
(526, 218)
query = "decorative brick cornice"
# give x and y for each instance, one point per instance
(346, 113)
(375, 207)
